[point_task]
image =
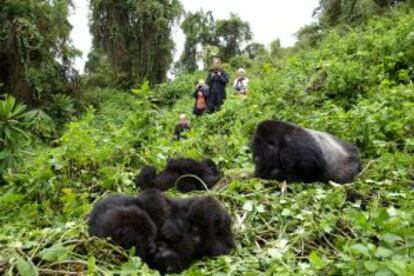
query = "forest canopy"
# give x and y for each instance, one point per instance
(135, 38)
(36, 55)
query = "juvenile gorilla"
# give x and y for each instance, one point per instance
(287, 152)
(198, 227)
(211, 222)
(119, 218)
(168, 234)
(206, 220)
(180, 173)
(140, 222)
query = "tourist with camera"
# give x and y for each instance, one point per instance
(216, 80)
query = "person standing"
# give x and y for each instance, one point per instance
(200, 94)
(241, 82)
(216, 80)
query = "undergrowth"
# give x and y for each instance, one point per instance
(364, 94)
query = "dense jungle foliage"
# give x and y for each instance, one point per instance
(134, 37)
(355, 82)
(35, 50)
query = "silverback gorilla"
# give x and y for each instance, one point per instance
(168, 234)
(180, 173)
(287, 152)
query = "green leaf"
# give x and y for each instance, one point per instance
(4, 154)
(274, 253)
(391, 239)
(260, 208)
(131, 267)
(316, 260)
(30, 115)
(360, 248)
(399, 267)
(383, 271)
(91, 265)
(248, 206)
(371, 265)
(25, 268)
(286, 213)
(21, 131)
(8, 105)
(55, 253)
(383, 252)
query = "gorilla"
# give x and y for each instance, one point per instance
(176, 243)
(287, 152)
(212, 223)
(120, 219)
(168, 234)
(180, 173)
(198, 227)
(154, 224)
(146, 179)
(176, 246)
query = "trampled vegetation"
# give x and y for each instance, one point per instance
(356, 83)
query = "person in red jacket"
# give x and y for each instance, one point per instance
(200, 94)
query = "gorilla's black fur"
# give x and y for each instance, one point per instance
(168, 233)
(146, 178)
(180, 173)
(158, 206)
(212, 223)
(284, 151)
(120, 219)
(177, 245)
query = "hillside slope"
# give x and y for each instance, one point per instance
(357, 85)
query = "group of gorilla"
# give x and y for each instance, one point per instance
(169, 233)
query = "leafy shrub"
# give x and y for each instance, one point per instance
(43, 126)
(240, 61)
(61, 108)
(14, 122)
(169, 92)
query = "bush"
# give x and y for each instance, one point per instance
(183, 86)
(61, 108)
(14, 125)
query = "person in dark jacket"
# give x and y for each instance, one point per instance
(216, 80)
(200, 94)
(182, 127)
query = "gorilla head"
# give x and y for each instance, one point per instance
(176, 245)
(287, 152)
(158, 206)
(183, 173)
(152, 223)
(120, 219)
(211, 222)
(146, 178)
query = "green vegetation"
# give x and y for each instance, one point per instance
(198, 28)
(357, 84)
(224, 38)
(35, 50)
(134, 37)
(334, 12)
(15, 122)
